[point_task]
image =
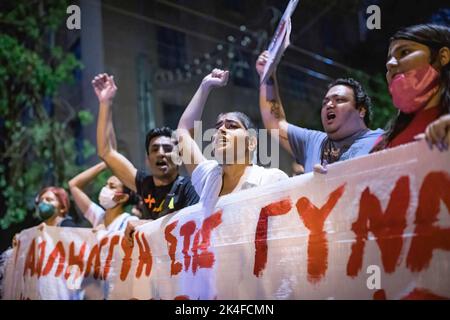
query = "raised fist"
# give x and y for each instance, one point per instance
(217, 78)
(104, 87)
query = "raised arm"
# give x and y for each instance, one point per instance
(77, 183)
(270, 106)
(106, 89)
(191, 153)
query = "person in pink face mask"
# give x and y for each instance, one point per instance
(418, 75)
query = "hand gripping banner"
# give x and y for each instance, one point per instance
(375, 227)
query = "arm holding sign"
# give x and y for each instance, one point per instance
(270, 105)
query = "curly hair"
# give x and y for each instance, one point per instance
(362, 99)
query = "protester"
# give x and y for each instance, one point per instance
(113, 198)
(52, 207)
(345, 115)
(163, 192)
(418, 75)
(234, 145)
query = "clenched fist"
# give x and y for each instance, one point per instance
(104, 88)
(217, 78)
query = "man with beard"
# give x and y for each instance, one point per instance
(345, 115)
(163, 192)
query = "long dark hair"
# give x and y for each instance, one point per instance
(133, 198)
(434, 37)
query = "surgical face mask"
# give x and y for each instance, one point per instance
(45, 210)
(412, 90)
(106, 198)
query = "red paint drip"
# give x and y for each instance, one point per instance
(314, 219)
(175, 267)
(427, 236)
(206, 258)
(273, 209)
(388, 227)
(57, 252)
(74, 259)
(145, 256)
(187, 230)
(126, 261)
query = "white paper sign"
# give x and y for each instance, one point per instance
(280, 40)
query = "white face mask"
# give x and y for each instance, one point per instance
(106, 198)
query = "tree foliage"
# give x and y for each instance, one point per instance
(376, 87)
(37, 146)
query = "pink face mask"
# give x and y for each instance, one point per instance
(412, 90)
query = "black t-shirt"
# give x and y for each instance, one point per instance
(155, 197)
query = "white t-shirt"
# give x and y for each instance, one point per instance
(207, 179)
(92, 289)
(96, 215)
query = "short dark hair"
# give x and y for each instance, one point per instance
(157, 132)
(362, 99)
(133, 198)
(242, 117)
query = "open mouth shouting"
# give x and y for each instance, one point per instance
(221, 141)
(331, 115)
(162, 164)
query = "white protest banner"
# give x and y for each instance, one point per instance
(280, 41)
(374, 227)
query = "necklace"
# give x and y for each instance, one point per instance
(332, 151)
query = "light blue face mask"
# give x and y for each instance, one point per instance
(45, 210)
